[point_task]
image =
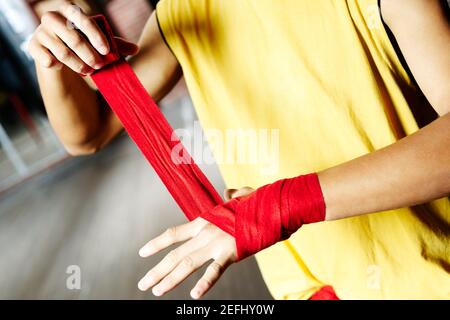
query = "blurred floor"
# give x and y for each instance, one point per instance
(96, 212)
(32, 152)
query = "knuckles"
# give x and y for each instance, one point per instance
(43, 59)
(171, 233)
(205, 283)
(90, 60)
(48, 62)
(68, 8)
(187, 262)
(76, 40)
(215, 267)
(49, 17)
(63, 53)
(172, 257)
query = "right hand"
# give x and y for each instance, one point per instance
(56, 43)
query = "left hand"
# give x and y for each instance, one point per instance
(205, 242)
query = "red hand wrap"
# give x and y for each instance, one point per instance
(272, 213)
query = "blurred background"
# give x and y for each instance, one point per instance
(90, 212)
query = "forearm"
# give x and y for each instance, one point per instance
(412, 171)
(72, 106)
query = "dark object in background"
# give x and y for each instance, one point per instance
(10, 84)
(17, 24)
(154, 3)
(9, 80)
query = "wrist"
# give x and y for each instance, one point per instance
(270, 214)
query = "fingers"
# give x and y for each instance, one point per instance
(62, 53)
(172, 236)
(207, 281)
(73, 39)
(169, 262)
(186, 267)
(57, 24)
(208, 243)
(53, 36)
(79, 48)
(86, 25)
(44, 57)
(235, 193)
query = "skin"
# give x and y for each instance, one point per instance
(383, 180)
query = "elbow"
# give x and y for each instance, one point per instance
(82, 148)
(80, 142)
(79, 151)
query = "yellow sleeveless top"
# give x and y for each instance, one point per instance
(326, 76)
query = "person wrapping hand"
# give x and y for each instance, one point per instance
(358, 135)
(256, 221)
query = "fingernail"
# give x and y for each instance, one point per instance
(157, 291)
(98, 66)
(195, 294)
(103, 49)
(145, 252)
(142, 252)
(141, 286)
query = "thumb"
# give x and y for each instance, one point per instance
(235, 193)
(125, 47)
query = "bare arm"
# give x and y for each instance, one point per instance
(416, 169)
(422, 30)
(412, 171)
(73, 107)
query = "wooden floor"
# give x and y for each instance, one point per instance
(95, 213)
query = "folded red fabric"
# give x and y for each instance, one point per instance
(325, 293)
(271, 214)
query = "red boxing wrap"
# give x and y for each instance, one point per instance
(270, 214)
